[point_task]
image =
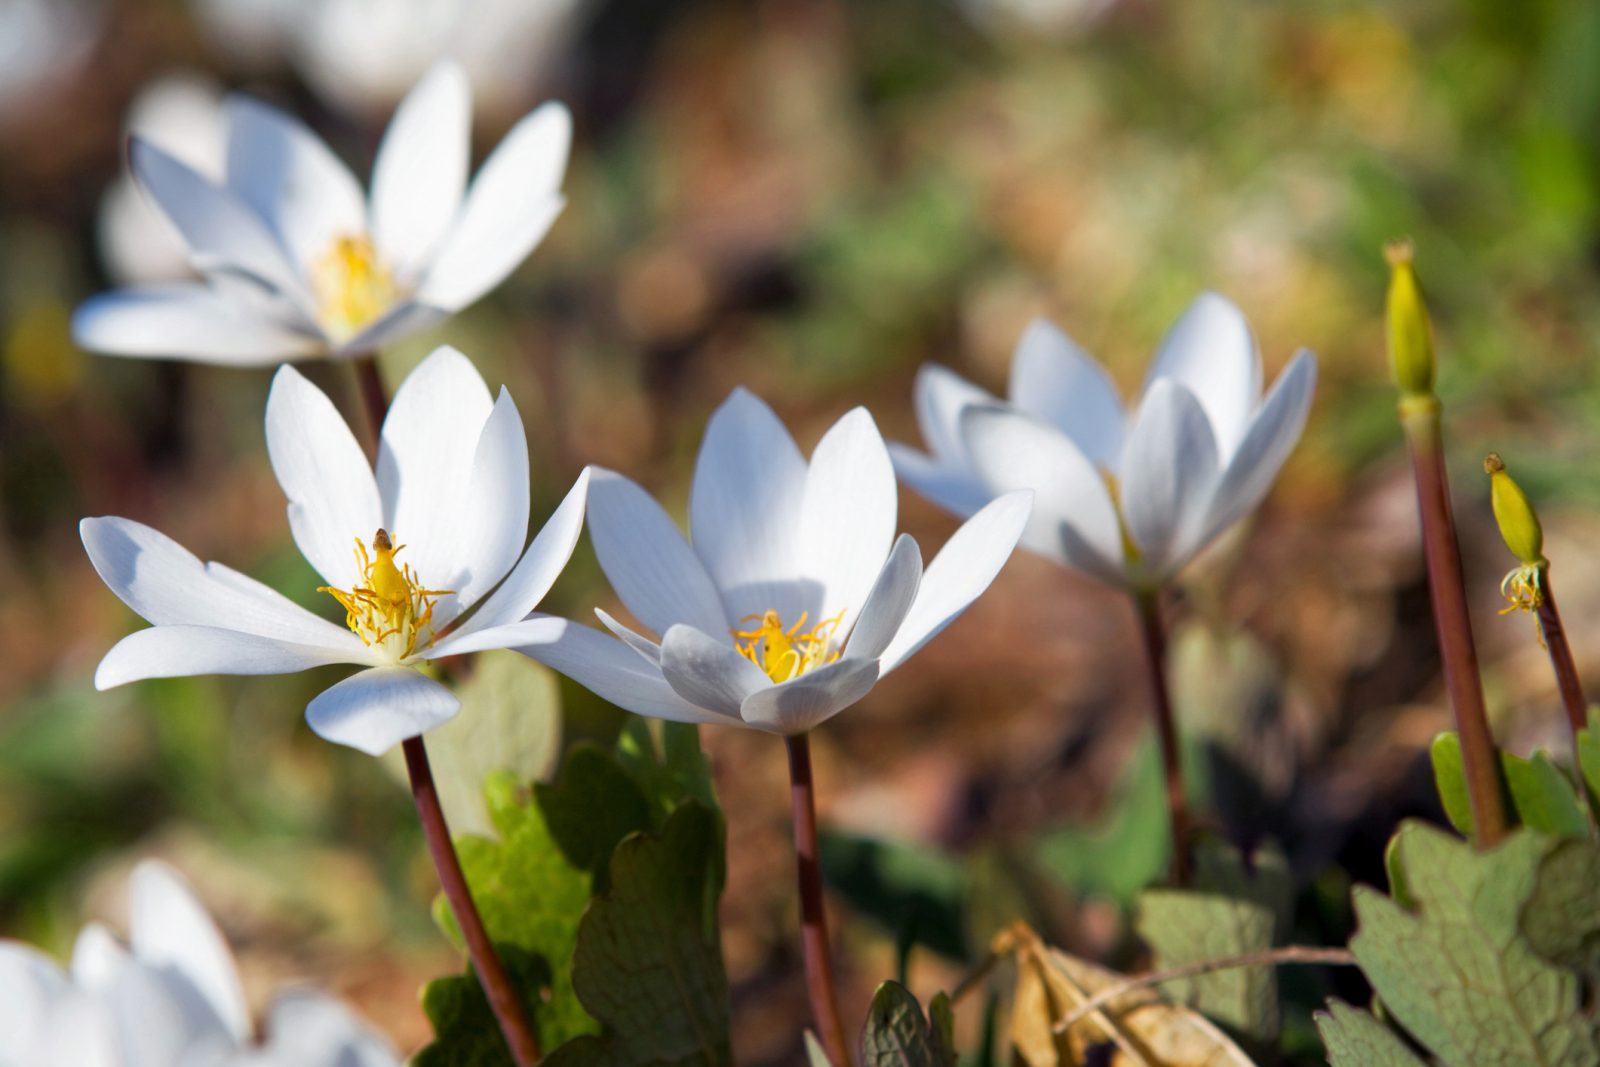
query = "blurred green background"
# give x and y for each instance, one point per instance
(811, 199)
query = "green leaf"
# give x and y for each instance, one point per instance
(1543, 796)
(666, 763)
(530, 895)
(510, 720)
(897, 1034)
(648, 963)
(1589, 759)
(1127, 850)
(466, 1033)
(1230, 910)
(592, 805)
(1538, 794)
(1355, 1038)
(1561, 919)
(1452, 967)
(915, 891)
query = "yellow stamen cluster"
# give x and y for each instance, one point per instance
(391, 610)
(784, 654)
(351, 285)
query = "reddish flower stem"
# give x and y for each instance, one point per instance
(813, 917)
(1155, 649)
(1555, 642)
(515, 1025)
(1420, 418)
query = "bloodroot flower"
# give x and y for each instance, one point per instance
(172, 996)
(1130, 496)
(298, 262)
(425, 557)
(793, 596)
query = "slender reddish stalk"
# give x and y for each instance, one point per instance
(1446, 585)
(1555, 642)
(515, 1025)
(508, 1008)
(813, 917)
(1155, 649)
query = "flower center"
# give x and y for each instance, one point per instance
(351, 286)
(1130, 548)
(391, 611)
(785, 654)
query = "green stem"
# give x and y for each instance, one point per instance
(813, 918)
(1155, 649)
(1419, 416)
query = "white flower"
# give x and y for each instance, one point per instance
(426, 559)
(1130, 497)
(363, 54)
(182, 115)
(171, 998)
(795, 597)
(299, 263)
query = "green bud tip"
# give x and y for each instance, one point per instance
(1518, 522)
(1410, 332)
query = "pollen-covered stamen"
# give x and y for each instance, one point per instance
(391, 610)
(1523, 588)
(1130, 547)
(787, 653)
(351, 285)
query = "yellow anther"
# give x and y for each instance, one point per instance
(392, 609)
(351, 285)
(787, 653)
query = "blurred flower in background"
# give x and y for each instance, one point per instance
(299, 263)
(181, 114)
(171, 996)
(43, 43)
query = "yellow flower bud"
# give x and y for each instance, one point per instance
(1410, 332)
(1519, 523)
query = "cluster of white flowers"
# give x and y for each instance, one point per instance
(170, 997)
(788, 600)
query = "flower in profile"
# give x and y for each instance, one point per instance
(424, 557)
(793, 596)
(297, 262)
(170, 996)
(1128, 496)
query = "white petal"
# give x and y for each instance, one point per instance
(333, 499)
(402, 319)
(421, 170)
(185, 322)
(380, 707)
(650, 650)
(847, 516)
(608, 669)
(886, 606)
(1074, 520)
(1059, 383)
(31, 983)
(940, 396)
(512, 202)
(1272, 436)
(172, 933)
(306, 1029)
(167, 585)
(291, 179)
(221, 230)
(960, 572)
(184, 651)
(1169, 472)
(708, 671)
(1211, 351)
(809, 700)
(650, 566)
(533, 575)
(954, 488)
(486, 527)
(425, 456)
(744, 507)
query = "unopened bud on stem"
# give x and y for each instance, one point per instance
(1518, 522)
(1410, 332)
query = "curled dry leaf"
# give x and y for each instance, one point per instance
(1142, 1028)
